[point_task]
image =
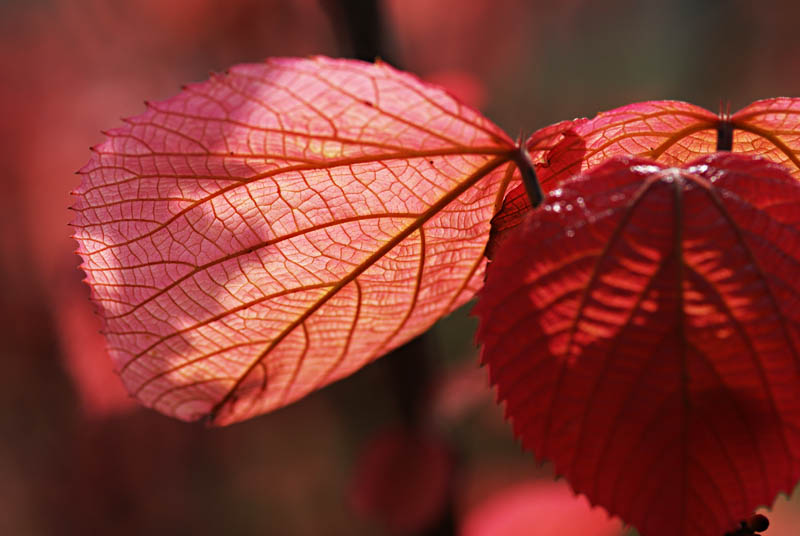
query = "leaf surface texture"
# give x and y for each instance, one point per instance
(670, 132)
(277, 227)
(643, 331)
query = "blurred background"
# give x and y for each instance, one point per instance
(411, 445)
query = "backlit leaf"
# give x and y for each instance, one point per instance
(643, 330)
(557, 147)
(277, 227)
(670, 132)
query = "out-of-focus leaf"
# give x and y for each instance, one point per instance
(643, 330)
(459, 391)
(784, 516)
(402, 480)
(84, 351)
(464, 85)
(538, 507)
(274, 229)
(670, 132)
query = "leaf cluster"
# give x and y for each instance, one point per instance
(281, 225)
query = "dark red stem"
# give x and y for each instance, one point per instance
(526, 168)
(724, 135)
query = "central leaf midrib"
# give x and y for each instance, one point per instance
(434, 209)
(678, 184)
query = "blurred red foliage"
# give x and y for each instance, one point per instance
(72, 68)
(538, 507)
(784, 516)
(402, 480)
(84, 350)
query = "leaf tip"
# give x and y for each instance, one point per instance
(316, 58)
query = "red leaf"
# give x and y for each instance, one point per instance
(556, 151)
(670, 132)
(643, 331)
(84, 351)
(460, 391)
(403, 480)
(538, 507)
(274, 229)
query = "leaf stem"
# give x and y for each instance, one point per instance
(523, 160)
(724, 129)
(724, 135)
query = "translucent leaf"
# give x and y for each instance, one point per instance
(277, 227)
(670, 132)
(643, 330)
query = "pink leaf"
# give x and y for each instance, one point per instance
(643, 330)
(403, 480)
(274, 229)
(538, 507)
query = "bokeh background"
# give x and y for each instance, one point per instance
(411, 445)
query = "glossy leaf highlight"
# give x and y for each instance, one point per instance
(277, 227)
(643, 331)
(670, 132)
